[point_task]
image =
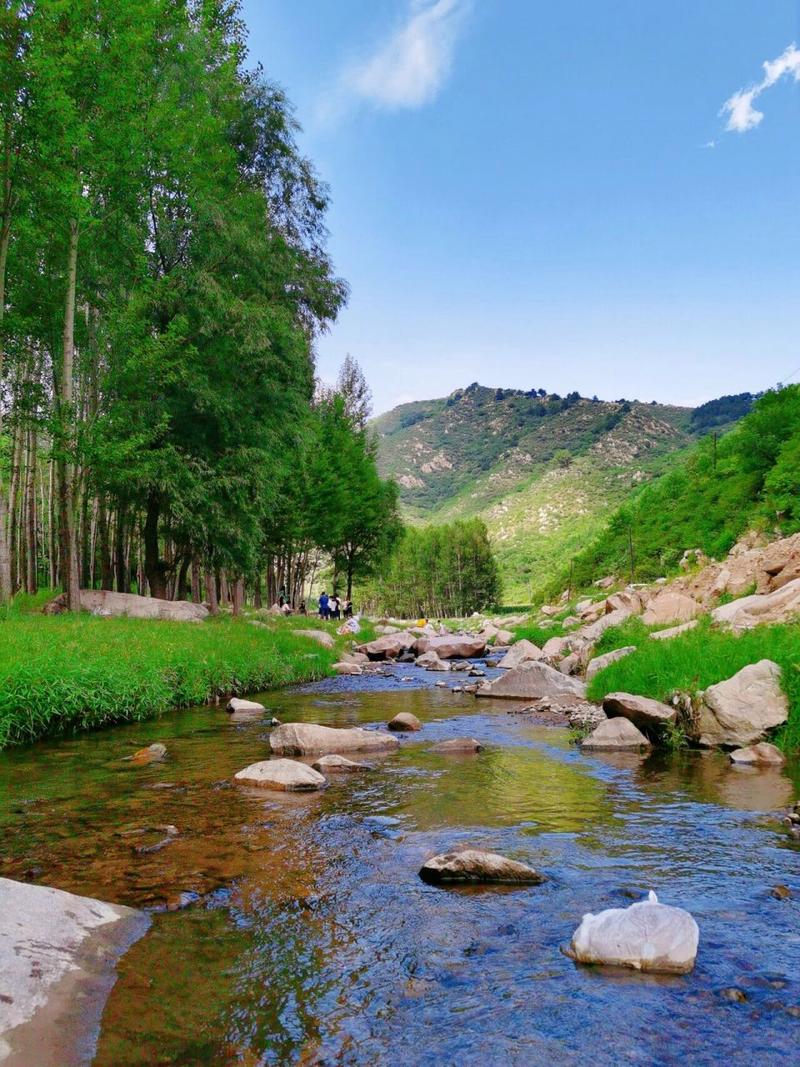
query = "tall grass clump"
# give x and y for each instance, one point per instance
(702, 657)
(65, 674)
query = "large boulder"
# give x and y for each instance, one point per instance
(647, 715)
(595, 630)
(599, 663)
(58, 954)
(533, 680)
(473, 865)
(668, 606)
(647, 936)
(741, 710)
(783, 605)
(763, 754)
(453, 646)
(106, 603)
(405, 722)
(283, 775)
(389, 647)
(430, 661)
(520, 653)
(613, 734)
(309, 739)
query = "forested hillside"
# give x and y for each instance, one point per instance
(543, 471)
(748, 479)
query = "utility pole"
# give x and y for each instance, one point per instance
(630, 549)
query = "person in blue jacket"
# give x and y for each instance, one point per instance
(324, 610)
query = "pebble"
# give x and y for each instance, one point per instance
(736, 996)
(781, 892)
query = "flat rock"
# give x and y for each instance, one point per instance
(740, 711)
(57, 951)
(615, 734)
(458, 746)
(333, 764)
(647, 936)
(404, 721)
(322, 637)
(673, 631)
(521, 652)
(780, 606)
(309, 739)
(595, 630)
(453, 646)
(237, 704)
(599, 663)
(430, 661)
(532, 680)
(474, 866)
(763, 753)
(646, 714)
(669, 605)
(346, 668)
(106, 603)
(284, 775)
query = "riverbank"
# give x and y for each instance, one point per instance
(70, 673)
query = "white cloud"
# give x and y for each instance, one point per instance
(740, 108)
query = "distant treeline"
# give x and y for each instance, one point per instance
(440, 572)
(720, 412)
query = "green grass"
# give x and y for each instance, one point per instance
(700, 658)
(539, 635)
(69, 673)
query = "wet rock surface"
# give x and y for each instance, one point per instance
(477, 867)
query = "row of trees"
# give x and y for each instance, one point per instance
(163, 276)
(443, 571)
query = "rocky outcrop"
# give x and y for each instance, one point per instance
(613, 734)
(282, 775)
(430, 661)
(106, 603)
(737, 712)
(668, 606)
(783, 605)
(599, 663)
(763, 754)
(595, 630)
(647, 936)
(333, 764)
(649, 716)
(458, 746)
(57, 951)
(405, 722)
(389, 647)
(533, 680)
(309, 739)
(472, 865)
(453, 646)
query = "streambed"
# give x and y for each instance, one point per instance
(294, 928)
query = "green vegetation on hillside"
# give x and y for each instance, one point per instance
(749, 478)
(440, 572)
(699, 658)
(75, 672)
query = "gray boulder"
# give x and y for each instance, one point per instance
(533, 680)
(283, 775)
(615, 734)
(453, 646)
(741, 710)
(237, 704)
(322, 637)
(599, 663)
(345, 668)
(647, 715)
(106, 603)
(472, 865)
(430, 661)
(763, 754)
(309, 739)
(520, 653)
(388, 647)
(405, 722)
(647, 936)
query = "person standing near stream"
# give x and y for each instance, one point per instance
(324, 605)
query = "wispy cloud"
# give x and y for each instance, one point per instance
(408, 68)
(740, 110)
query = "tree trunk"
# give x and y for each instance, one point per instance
(211, 592)
(257, 594)
(195, 579)
(104, 546)
(66, 488)
(154, 568)
(31, 576)
(238, 596)
(5, 545)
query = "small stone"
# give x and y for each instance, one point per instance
(736, 996)
(152, 754)
(405, 722)
(333, 764)
(781, 892)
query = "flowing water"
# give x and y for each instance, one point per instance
(294, 929)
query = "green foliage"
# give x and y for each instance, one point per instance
(748, 478)
(701, 657)
(538, 635)
(631, 632)
(441, 572)
(70, 673)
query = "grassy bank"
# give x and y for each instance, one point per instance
(698, 659)
(70, 673)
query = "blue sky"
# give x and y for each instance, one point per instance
(549, 194)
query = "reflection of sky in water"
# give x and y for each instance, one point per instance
(312, 939)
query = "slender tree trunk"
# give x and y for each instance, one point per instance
(238, 596)
(31, 583)
(5, 240)
(224, 592)
(211, 592)
(66, 486)
(257, 594)
(104, 546)
(181, 588)
(153, 565)
(195, 579)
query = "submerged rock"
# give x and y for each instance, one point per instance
(647, 936)
(742, 709)
(333, 764)
(458, 746)
(763, 753)
(473, 865)
(285, 775)
(236, 704)
(404, 721)
(615, 734)
(309, 739)
(152, 754)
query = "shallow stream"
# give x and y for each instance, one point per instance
(294, 929)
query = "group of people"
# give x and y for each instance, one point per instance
(334, 607)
